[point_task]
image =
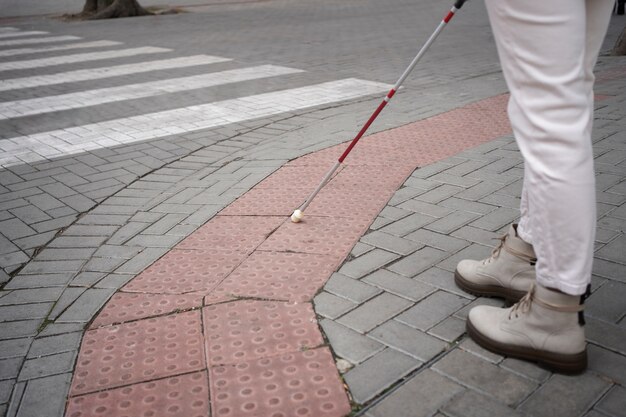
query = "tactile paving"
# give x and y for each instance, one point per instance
(139, 351)
(244, 330)
(317, 235)
(279, 276)
(268, 202)
(297, 176)
(300, 384)
(124, 307)
(235, 233)
(179, 396)
(187, 270)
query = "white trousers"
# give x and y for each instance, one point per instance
(547, 50)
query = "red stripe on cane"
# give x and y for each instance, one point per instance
(448, 17)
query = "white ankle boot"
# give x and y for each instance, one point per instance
(543, 327)
(508, 272)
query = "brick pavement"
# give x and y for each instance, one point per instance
(129, 206)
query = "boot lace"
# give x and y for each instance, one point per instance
(496, 251)
(502, 246)
(523, 305)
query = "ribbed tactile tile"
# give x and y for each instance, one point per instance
(247, 330)
(138, 352)
(279, 276)
(124, 307)
(235, 233)
(179, 396)
(301, 384)
(188, 270)
(317, 235)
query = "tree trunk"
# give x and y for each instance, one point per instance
(620, 45)
(104, 9)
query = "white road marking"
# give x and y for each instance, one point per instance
(70, 59)
(30, 41)
(106, 72)
(23, 51)
(15, 34)
(40, 105)
(73, 140)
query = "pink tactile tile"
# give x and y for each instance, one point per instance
(351, 203)
(124, 307)
(189, 270)
(364, 177)
(279, 276)
(268, 202)
(319, 235)
(140, 351)
(245, 330)
(179, 396)
(301, 384)
(296, 176)
(235, 233)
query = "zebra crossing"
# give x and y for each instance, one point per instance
(35, 98)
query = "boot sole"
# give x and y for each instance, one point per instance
(487, 290)
(571, 364)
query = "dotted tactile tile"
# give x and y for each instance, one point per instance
(140, 351)
(124, 307)
(268, 202)
(297, 176)
(318, 235)
(301, 384)
(364, 177)
(235, 233)
(279, 276)
(246, 330)
(350, 203)
(188, 270)
(179, 396)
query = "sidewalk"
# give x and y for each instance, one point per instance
(189, 292)
(391, 310)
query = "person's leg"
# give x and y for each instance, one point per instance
(547, 51)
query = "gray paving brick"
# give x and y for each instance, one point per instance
(479, 301)
(62, 254)
(142, 260)
(86, 305)
(44, 346)
(441, 193)
(432, 310)
(91, 230)
(480, 236)
(350, 288)
(47, 365)
(437, 240)
(614, 251)
(45, 397)
(417, 262)
(481, 190)
(398, 285)
(52, 329)
(360, 249)
(69, 295)
(526, 369)
(367, 263)
(374, 312)
(114, 281)
(54, 224)
(165, 224)
(470, 346)
(451, 222)
(331, 306)
(19, 329)
(15, 229)
(154, 241)
(606, 302)
(473, 251)
(77, 242)
(420, 396)
(24, 311)
(442, 279)
(103, 219)
(614, 403)
(607, 335)
(487, 378)
(127, 232)
(41, 267)
(390, 243)
(432, 169)
(97, 264)
(10, 368)
(27, 296)
(497, 219)
(14, 347)
(348, 344)
(6, 387)
(395, 213)
(30, 214)
(565, 395)
(472, 404)
(447, 177)
(449, 329)
(607, 363)
(378, 373)
(407, 224)
(432, 210)
(408, 340)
